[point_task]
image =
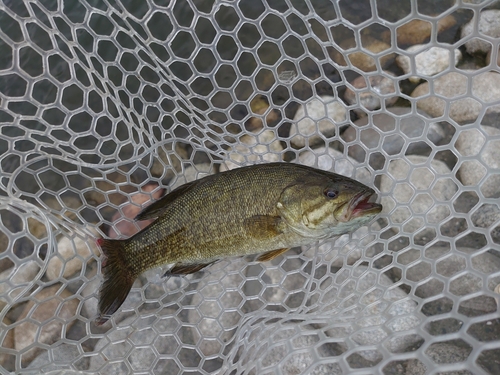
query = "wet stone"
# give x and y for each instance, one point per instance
(383, 306)
(426, 201)
(71, 256)
(366, 61)
(346, 249)
(335, 161)
(132, 339)
(42, 327)
(16, 280)
(90, 293)
(474, 142)
(417, 31)
(489, 24)
(381, 89)
(7, 361)
(168, 161)
(192, 173)
(485, 88)
(477, 306)
(106, 190)
(411, 125)
(319, 116)
(488, 216)
(253, 149)
(488, 58)
(273, 287)
(429, 62)
(58, 357)
(448, 352)
(295, 348)
(416, 367)
(218, 298)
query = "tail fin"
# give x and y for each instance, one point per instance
(118, 279)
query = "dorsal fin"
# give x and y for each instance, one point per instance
(155, 209)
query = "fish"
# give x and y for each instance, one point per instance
(262, 210)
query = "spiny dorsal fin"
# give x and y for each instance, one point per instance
(155, 209)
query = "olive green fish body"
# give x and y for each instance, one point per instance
(263, 209)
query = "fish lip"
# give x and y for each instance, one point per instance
(361, 205)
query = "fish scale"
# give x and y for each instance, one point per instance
(262, 209)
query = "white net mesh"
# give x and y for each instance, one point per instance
(105, 105)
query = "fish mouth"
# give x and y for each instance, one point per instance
(362, 204)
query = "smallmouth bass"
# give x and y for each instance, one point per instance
(262, 209)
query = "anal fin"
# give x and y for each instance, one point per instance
(270, 255)
(186, 268)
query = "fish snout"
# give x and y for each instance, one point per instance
(361, 204)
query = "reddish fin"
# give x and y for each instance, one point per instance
(118, 279)
(270, 255)
(186, 268)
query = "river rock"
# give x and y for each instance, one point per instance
(7, 361)
(489, 24)
(429, 62)
(488, 216)
(475, 142)
(133, 339)
(58, 357)
(488, 58)
(449, 263)
(382, 88)
(346, 249)
(191, 173)
(335, 161)
(71, 256)
(319, 116)
(253, 149)
(403, 194)
(295, 349)
(37, 228)
(168, 161)
(218, 299)
(110, 187)
(417, 31)
(485, 87)
(411, 125)
(46, 322)
(17, 280)
(260, 106)
(366, 61)
(452, 351)
(370, 294)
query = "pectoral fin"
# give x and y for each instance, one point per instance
(270, 255)
(186, 268)
(263, 226)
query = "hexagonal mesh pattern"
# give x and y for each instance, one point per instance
(106, 105)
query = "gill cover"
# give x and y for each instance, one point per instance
(306, 210)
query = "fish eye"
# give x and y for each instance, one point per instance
(331, 193)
